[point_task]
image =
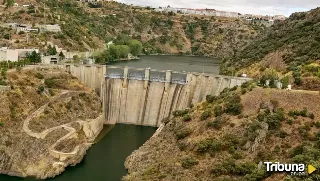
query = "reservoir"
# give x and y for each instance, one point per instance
(105, 160)
(175, 63)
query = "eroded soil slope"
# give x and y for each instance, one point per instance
(42, 122)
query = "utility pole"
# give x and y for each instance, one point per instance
(44, 13)
(27, 37)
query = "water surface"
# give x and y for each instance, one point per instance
(105, 160)
(175, 63)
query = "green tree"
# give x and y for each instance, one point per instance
(124, 50)
(34, 57)
(9, 3)
(52, 50)
(76, 58)
(114, 52)
(104, 57)
(122, 39)
(135, 47)
(61, 55)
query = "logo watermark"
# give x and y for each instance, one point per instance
(293, 169)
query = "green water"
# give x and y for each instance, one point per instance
(105, 160)
(176, 63)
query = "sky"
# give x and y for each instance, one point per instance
(263, 7)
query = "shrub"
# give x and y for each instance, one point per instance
(296, 151)
(233, 108)
(282, 134)
(218, 111)
(182, 146)
(13, 112)
(224, 168)
(180, 113)
(289, 121)
(317, 124)
(291, 113)
(40, 89)
(243, 91)
(189, 162)
(311, 116)
(263, 80)
(18, 69)
(205, 115)
(231, 167)
(273, 122)
(232, 125)
(182, 133)
(304, 112)
(233, 88)
(257, 174)
(210, 98)
(2, 82)
(285, 82)
(261, 117)
(245, 85)
(230, 140)
(4, 73)
(1, 124)
(39, 75)
(69, 105)
(208, 146)
(165, 120)
(217, 123)
(51, 92)
(50, 83)
(187, 117)
(251, 130)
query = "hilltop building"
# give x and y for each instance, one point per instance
(213, 12)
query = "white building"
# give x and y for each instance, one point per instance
(50, 28)
(19, 29)
(52, 59)
(14, 55)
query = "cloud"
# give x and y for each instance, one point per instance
(284, 7)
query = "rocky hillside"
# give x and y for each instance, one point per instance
(46, 122)
(289, 48)
(86, 26)
(230, 136)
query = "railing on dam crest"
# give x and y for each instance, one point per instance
(147, 74)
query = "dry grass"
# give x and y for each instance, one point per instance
(288, 100)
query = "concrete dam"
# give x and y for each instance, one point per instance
(146, 96)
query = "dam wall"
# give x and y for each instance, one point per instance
(89, 75)
(146, 96)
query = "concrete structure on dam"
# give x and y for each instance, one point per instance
(146, 96)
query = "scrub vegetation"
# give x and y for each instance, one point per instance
(289, 51)
(87, 26)
(230, 136)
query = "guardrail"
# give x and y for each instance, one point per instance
(120, 76)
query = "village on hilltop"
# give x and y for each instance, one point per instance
(213, 12)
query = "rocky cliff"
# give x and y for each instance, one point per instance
(47, 122)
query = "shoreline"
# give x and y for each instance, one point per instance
(186, 55)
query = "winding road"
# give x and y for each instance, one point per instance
(42, 135)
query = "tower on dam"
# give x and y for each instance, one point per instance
(146, 96)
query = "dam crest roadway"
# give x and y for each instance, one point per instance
(146, 96)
